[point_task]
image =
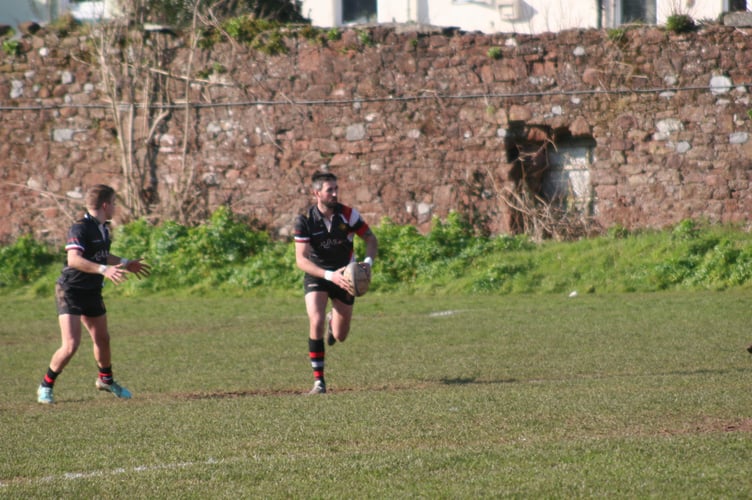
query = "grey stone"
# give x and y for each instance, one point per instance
(720, 84)
(356, 132)
(738, 138)
(63, 134)
(739, 19)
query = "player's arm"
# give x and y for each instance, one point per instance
(372, 244)
(135, 266)
(77, 261)
(372, 249)
(305, 264)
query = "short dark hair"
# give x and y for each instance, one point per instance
(97, 195)
(319, 178)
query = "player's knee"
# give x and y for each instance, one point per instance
(69, 349)
(341, 335)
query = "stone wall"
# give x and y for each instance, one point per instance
(649, 127)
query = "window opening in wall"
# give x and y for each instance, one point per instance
(552, 195)
(566, 183)
(358, 11)
(737, 5)
(638, 11)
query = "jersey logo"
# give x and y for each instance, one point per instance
(330, 243)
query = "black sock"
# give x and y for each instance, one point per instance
(317, 353)
(105, 375)
(49, 378)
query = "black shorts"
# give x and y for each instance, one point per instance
(313, 284)
(79, 302)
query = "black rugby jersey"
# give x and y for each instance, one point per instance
(86, 236)
(331, 248)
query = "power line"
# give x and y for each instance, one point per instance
(365, 100)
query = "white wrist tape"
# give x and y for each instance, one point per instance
(102, 269)
(369, 261)
(124, 262)
(328, 275)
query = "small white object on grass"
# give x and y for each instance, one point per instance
(573, 293)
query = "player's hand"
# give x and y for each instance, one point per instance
(341, 281)
(137, 267)
(116, 274)
(367, 267)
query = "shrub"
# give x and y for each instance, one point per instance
(11, 47)
(680, 23)
(226, 255)
(65, 24)
(365, 38)
(179, 13)
(309, 32)
(616, 34)
(23, 261)
(407, 256)
(184, 256)
(494, 53)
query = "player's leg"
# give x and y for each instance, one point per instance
(316, 310)
(70, 334)
(69, 319)
(342, 309)
(341, 316)
(100, 337)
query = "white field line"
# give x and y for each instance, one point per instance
(72, 476)
(439, 314)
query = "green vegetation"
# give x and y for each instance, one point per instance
(616, 34)
(66, 25)
(261, 34)
(227, 256)
(494, 53)
(23, 262)
(214, 69)
(600, 396)
(11, 47)
(312, 33)
(179, 13)
(680, 23)
(365, 38)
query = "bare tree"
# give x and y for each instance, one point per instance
(124, 63)
(134, 66)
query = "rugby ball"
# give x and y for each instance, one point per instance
(359, 275)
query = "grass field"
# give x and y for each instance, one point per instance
(527, 396)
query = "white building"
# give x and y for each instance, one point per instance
(487, 16)
(14, 12)
(514, 16)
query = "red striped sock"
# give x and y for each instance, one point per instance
(105, 375)
(317, 354)
(49, 378)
